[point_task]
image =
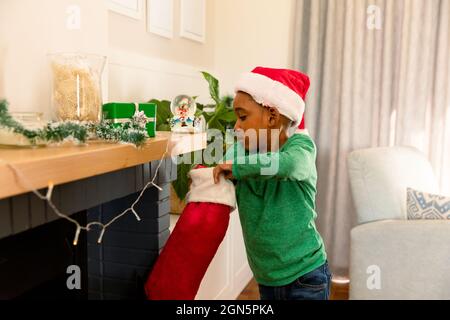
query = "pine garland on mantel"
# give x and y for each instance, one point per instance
(133, 132)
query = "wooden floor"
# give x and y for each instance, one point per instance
(339, 291)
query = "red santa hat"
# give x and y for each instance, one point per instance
(278, 88)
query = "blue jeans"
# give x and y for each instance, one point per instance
(314, 285)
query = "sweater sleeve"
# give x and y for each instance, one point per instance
(295, 162)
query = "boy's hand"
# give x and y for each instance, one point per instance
(226, 169)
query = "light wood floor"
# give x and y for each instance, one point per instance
(338, 291)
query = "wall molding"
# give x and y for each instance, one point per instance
(139, 77)
(160, 17)
(128, 59)
(188, 14)
(121, 7)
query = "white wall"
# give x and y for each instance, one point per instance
(132, 35)
(241, 34)
(145, 66)
(135, 77)
(250, 33)
(31, 29)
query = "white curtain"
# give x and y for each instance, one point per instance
(380, 74)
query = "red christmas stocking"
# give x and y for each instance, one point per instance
(195, 239)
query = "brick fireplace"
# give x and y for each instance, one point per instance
(36, 247)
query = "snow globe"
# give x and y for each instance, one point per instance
(183, 108)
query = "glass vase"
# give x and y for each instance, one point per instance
(76, 86)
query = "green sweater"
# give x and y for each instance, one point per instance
(277, 211)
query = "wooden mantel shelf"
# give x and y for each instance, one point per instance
(70, 163)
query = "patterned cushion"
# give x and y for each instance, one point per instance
(422, 205)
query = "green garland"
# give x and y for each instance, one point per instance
(54, 132)
(129, 132)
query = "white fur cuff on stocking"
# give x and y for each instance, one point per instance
(203, 188)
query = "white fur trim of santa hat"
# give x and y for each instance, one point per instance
(271, 93)
(203, 188)
(302, 131)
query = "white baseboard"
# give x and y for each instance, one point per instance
(241, 280)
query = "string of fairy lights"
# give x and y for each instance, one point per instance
(48, 198)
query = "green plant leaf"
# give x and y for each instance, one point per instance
(213, 86)
(208, 116)
(181, 185)
(216, 115)
(228, 116)
(163, 114)
(164, 127)
(199, 111)
(215, 124)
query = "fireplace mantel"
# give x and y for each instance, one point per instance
(71, 163)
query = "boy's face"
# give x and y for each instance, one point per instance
(252, 120)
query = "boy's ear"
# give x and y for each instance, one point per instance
(274, 117)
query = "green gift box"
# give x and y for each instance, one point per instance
(119, 113)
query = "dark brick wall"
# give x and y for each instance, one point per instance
(119, 266)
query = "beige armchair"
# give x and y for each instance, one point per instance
(391, 257)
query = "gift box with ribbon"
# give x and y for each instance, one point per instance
(120, 113)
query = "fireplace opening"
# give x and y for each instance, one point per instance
(33, 264)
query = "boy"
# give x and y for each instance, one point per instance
(277, 207)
